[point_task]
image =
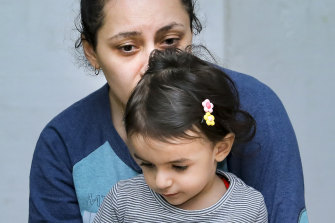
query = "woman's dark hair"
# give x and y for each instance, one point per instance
(92, 18)
(167, 102)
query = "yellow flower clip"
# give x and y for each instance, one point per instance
(209, 119)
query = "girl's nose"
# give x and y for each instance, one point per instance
(163, 180)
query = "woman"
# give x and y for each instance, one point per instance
(83, 151)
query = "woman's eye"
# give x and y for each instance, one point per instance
(127, 48)
(171, 41)
(180, 168)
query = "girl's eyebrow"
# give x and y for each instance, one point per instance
(140, 158)
(182, 160)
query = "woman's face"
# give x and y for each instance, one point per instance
(130, 31)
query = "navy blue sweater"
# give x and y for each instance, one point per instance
(80, 156)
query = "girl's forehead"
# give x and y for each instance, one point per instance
(158, 152)
(140, 15)
(142, 142)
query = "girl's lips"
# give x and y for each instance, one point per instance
(169, 195)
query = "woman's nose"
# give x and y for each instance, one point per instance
(144, 68)
(163, 180)
(146, 54)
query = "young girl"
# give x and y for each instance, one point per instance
(181, 121)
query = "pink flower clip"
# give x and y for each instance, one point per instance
(208, 106)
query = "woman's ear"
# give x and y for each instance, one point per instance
(90, 54)
(223, 147)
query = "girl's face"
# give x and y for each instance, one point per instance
(131, 30)
(182, 171)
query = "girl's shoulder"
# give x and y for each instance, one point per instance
(131, 190)
(238, 187)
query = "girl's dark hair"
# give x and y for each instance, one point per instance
(92, 17)
(167, 102)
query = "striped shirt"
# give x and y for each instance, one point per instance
(133, 201)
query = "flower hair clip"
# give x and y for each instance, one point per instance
(208, 108)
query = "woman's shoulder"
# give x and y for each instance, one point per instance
(255, 96)
(91, 106)
(80, 126)
(243, 80)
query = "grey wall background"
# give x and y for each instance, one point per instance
(287, 44)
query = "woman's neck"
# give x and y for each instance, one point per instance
(117, 112)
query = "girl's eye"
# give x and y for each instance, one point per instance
(147, 165)
(180, 168)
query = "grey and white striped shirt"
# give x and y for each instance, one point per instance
(133, 201)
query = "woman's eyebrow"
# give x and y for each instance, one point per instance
(125, 35)
(168, 27)
(136, 33)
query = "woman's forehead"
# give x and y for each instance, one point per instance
(143, 15)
